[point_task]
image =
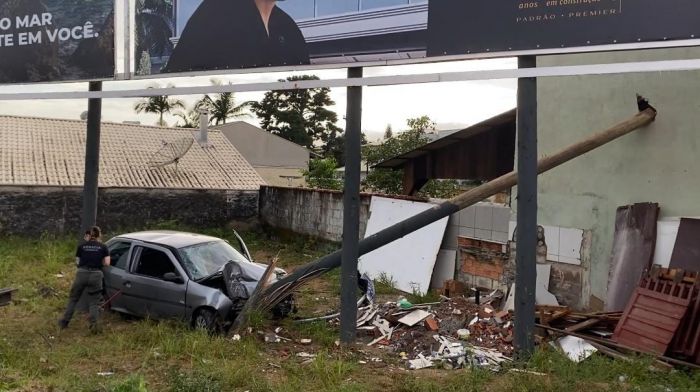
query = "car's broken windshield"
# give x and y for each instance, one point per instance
(203, 260)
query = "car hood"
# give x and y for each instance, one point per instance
(241, 278)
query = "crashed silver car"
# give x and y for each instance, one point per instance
(167, 274)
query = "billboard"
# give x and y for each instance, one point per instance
(56, 40)
(207, 35)
(480, 26)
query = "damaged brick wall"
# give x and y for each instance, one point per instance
(491, 265)
(568, 282)
(57, 210)
(482, 263)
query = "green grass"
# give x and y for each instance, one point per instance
(145, 355)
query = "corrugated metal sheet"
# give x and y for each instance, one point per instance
(633, 251)
(51, 152)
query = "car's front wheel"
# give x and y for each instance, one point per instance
(207, 320)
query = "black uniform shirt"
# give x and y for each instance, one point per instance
(91, 254)
(223, 34)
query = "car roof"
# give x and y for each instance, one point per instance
(174, 239)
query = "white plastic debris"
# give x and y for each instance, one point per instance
(236, 337)
(576, 349)
(420, 363)
(305, 355)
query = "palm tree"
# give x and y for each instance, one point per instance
(159, 104)
(223, 106)
(190, 118)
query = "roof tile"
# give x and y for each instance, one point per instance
(51, 152)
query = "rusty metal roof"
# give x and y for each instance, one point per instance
(51, 152)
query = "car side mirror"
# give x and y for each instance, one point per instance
(173, 277)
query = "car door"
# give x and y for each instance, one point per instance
(117, 273)
(151, 295)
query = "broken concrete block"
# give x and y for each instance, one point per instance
(414, 317)
(486, 312)
(501, 316)
(431, 324)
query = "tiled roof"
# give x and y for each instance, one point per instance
(51, 152)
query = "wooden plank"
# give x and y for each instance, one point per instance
(582, 325)
(669, 308)
(559, 314)
(642, 314)
(651, 331)
(617, 345)
(642, 343)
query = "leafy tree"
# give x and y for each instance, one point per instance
(441, 189)
(302, 117)
(159, 104)
(336, 148)
(321, 174)
(388, 133)
(222, 106)
(391, 181)
(190, 118)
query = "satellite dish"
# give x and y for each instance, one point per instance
(83, 115)
(171, 153)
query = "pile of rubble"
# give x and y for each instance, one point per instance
(452, 333)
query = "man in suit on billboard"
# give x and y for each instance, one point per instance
(229, 34)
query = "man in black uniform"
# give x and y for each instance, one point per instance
(224, 34)
(91, 256)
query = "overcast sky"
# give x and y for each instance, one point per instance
(451, 105)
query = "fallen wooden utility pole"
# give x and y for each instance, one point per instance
(244, 315)
(281, 289)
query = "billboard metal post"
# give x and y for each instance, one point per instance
(526, 237)
(92, 159)
(351, 212)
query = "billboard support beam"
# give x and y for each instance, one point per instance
(526, 229)
(92, 159)
(351, 212)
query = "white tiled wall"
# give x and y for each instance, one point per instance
(563, 244)
(486, 221)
